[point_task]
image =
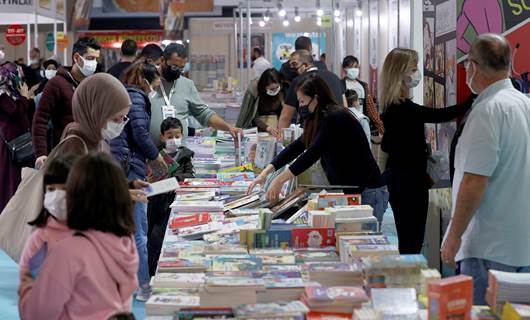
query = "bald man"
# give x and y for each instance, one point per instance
(490, 226)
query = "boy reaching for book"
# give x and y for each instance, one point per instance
(179, 165)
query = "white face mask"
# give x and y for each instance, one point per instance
(273, 93)
(55, 203)
(152, 92)
(413, 80)
(33, 61)
(112, 130)
(2, 55)
(352, 73)
(50, 74)
(172, 145)
(89, 67)
(469, 78)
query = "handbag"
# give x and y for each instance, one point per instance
(25, 205)
(21, 148)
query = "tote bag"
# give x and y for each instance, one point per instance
(24, 206)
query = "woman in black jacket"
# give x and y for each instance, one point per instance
(133, 148)
(404, 141)
(333, 135)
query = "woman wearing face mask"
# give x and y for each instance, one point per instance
(350, 68)
(50, 70)
(404, 141)
(134, 147)
(263, 104)
(51, 223)
(329, 130)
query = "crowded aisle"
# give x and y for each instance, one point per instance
(285, 159)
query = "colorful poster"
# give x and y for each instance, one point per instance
(439, 60)
(154, 6)
(428, 91)
(445, 17)
(283, 45)
(428, 43)
(450, 72)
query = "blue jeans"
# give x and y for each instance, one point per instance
(478, 269)
(378, 199)
(140, 236)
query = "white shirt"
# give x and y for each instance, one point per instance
(495, 143)
(260, 65)
(357, 86)
(365, 123)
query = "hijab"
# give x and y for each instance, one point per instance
(95, 100)
(10, 80)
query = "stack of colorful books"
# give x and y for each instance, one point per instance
(507, 287)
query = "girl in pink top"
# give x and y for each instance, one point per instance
(90, 274)
(51, 223)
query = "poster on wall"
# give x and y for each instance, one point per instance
(509, 18)
(373, 47)
(428, 43)
(256, 41)
(450, 72)
(283, 46)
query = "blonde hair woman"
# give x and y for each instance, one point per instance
(404, 141)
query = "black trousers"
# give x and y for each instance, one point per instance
(409, 198)
(158, 213)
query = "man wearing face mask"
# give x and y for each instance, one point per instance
(350, 68)
(178, 97)
(404, 141)
(302, 62)
(490, 221)
(56, 101)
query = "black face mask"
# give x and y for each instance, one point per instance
(304, 112)
(171, 73)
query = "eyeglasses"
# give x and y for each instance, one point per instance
(123, 119)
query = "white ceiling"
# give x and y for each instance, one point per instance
(286, 3)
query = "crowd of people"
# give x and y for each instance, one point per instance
(99, 138)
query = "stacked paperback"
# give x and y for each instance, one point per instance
(334, 299)
(507, 287)
(394, 271)
(451, 298)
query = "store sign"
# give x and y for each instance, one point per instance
(327, 20)
(50, 41)
(15, 35)
(114, 39)
(17, 6)
(223, 26)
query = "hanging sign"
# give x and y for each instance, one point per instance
(15, 35)
(327, 20)
(20, 6)
(50, 41)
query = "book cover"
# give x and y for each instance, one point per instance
(274, 239)
(178, 280)
(313, 237)
(225, 263)
(285, 259)
(332, 294)
(194, 313)
(330, 201)
(450, 298)
(274, 309)
(189, 221)
(313, 315)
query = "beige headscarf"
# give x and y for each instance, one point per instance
(95, 100)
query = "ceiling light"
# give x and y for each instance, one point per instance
(267, 16)
(187, 40)
(281, 10)
(359, 13)
(285, 23)
(320, 12)
(297, 17)
(337, 19)
(262, 23)
(350, 23)
(319, 22)
(336, 13)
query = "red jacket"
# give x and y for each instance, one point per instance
(55, 105)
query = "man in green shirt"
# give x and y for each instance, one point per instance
(178, 97)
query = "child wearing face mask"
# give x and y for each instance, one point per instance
(178, 159)
(51, 223)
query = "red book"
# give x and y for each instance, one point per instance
(189, 221)
(313, 237)
(451, 298)
(313, 315)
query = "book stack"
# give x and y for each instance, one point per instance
(315, 315)
(189, 221)
(400, 303)
(274, 256)
(308, 255)
(336, 200)
(168, 302)
(483, 313)
(451, 298)
(428, 275)
(197, 206)
(312, 237)
(367, 314)
(321, 219)
(203, 147)
(334, 299)
(507, 287)
(354, 247)
(354, 219)
(230, 291)
(335, 273)
(280, 310)
(178, 280)
(203, 313)
(394, 271)
(513, 311)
